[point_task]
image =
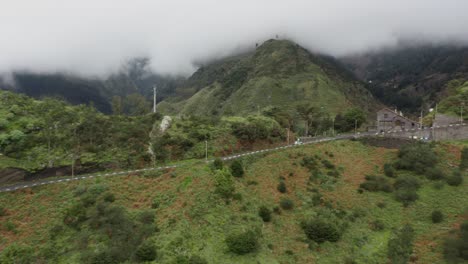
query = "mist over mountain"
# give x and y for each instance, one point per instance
(412, 77)
(89, 38)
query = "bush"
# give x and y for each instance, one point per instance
(16, 253)
(434, 174)
(286, 204)
(400, 246)
(437, 216)
(407, 182)
(242, 243)
(281, 187)
(455, 246)
(377, 225)
(389, 170)
(417, 157)
(376, 183)
(2, 211)
(328, 164)
(406, 196)
(236, 169)
(455, 178)
(464, 159)
(218, 164)
(264, 213)
(320, 231)
(224, 184)
(146, 251)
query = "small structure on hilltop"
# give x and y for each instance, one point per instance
(391, 121)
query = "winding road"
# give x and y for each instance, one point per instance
(310, 140)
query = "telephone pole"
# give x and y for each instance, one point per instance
(154, 98)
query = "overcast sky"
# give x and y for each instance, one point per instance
(94, 37)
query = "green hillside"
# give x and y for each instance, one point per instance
(278, 73)
(455, 98)
(335, 202)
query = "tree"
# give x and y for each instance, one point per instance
(305, 111)
(116, 105)
(242, 243)
(349, 120)
(236, 169)
(136, 104)
(320, 231)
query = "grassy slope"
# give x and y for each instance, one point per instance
(279, 73)
(193, 220)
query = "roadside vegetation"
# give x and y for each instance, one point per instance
(206, 214)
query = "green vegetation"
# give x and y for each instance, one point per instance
(464, 159)
(206, 215)
(400, 247)
(258, 82)
(437, 216)
(264, 213)
(237, 169)
(455, 246)
(243, 243)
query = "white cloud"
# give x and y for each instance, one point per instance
(93, 37)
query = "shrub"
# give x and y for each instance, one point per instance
(400, 246)
(455, 246)
(281, 187)
(16, 253)
(146, 251)
(464, 159)
(406, 196)
(455, 178)
(264, 213)
(236, 169)
(377, 225)
(320, 231)
(328, 164)
(224, 184)
(437, 216)
(109, 197)
(381, 204)
(416, 157)
(434, 174)
(2, 211)
(407, 182)
(389, 170)
(218, 164)
(309, 162)
(242, 243)
(286, 204)
(376, 183)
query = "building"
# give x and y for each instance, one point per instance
(391, 120)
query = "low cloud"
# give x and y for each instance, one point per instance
(93, 38)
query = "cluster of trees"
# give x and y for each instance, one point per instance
(94, 229)
(419, 158)
(53, 133)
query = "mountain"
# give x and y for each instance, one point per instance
(411, 76)
(278, 73)
(133, 77)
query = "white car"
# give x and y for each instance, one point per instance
(298, 142)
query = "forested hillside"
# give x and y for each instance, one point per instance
(280, 74)
(412, 77)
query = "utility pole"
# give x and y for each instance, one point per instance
(420, 125)
(287, 129)
(461, 113)
(333, 126)
(355, 126)
(206, 150)
(154, 98)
